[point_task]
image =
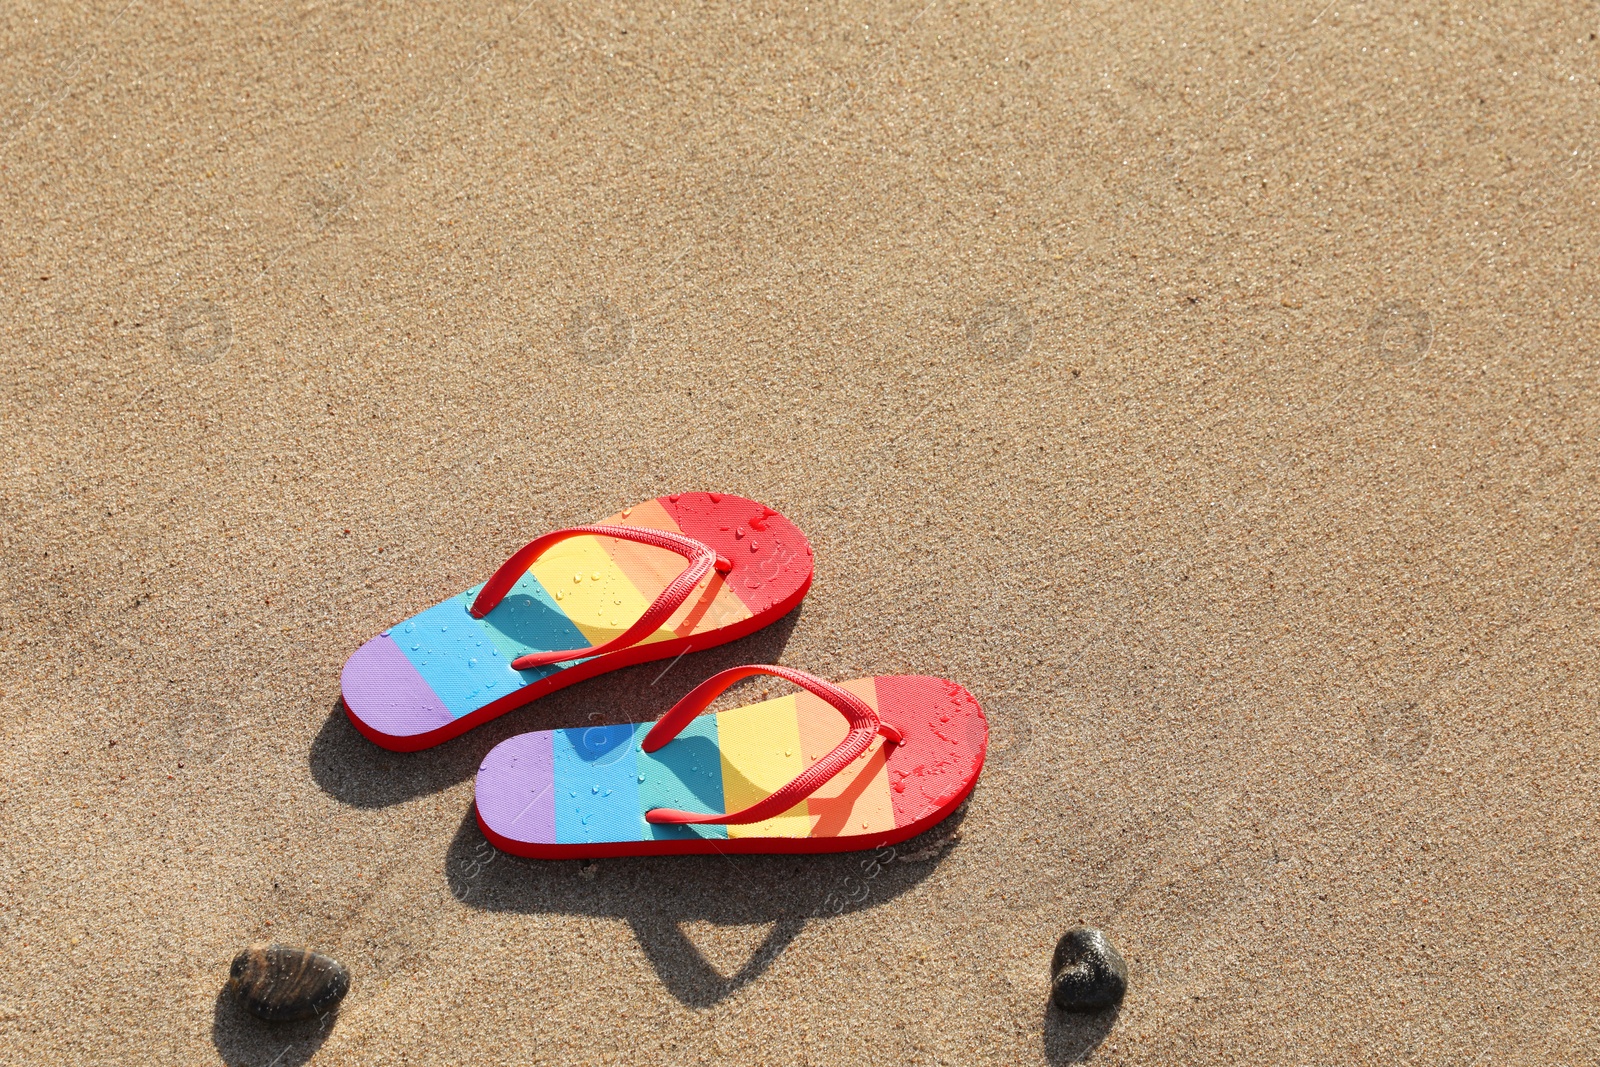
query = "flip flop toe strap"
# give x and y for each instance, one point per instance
(864, 726)
(702, 560)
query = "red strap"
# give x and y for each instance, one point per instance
(702, 558)
(864, 725)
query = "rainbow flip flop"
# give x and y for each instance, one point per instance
(576, 603)
(832, 768)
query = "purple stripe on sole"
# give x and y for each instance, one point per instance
(383, 690)
(516, 788)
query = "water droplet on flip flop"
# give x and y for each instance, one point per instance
(577, 577)
(595, 576)
(560, 595)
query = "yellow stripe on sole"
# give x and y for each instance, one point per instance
(592, 589)
(761, 753)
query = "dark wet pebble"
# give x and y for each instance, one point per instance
(279, 983)
(1087, 973)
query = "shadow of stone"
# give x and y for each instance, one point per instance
(658, 895)
(353, 770)
(242, 1040)
(1069, 1037)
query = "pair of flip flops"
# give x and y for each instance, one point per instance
(832, 767)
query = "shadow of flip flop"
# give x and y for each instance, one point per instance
(657, 896)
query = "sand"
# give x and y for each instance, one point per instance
(1209, 388)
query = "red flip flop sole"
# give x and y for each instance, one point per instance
(442, 671)
(580, 793)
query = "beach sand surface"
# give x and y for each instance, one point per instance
(1209, 388)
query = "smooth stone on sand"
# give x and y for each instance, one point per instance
(1087, 973)
(279, 983)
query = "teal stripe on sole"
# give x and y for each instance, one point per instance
(685, 774)
(529, 620)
